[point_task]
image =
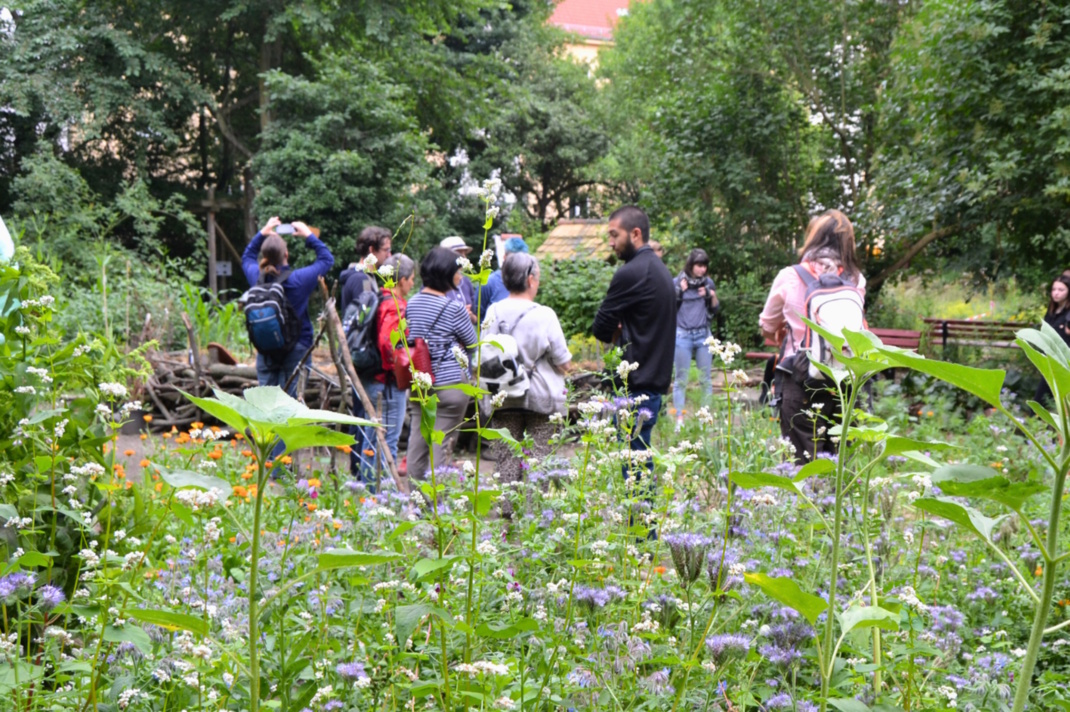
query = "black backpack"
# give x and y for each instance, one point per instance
(360, 324)
(270, 319)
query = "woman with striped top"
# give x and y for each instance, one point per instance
(450, 336)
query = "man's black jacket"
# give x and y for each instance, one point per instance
(642, 299)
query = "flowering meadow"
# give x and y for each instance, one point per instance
(920, 568)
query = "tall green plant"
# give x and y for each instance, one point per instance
(265, 414)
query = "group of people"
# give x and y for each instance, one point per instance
(645, 310)
(444, 314)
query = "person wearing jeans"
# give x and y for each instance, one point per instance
(696, 300)
(639, 313)
(383, 391)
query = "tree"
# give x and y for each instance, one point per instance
(973, 170)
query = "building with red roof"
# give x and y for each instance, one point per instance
(592, 21)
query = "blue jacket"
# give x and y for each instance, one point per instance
(493, 291)
(299, 285)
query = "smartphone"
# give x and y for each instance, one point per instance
(284, 229)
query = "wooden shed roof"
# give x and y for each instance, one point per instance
(576, 239)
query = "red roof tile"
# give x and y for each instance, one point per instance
(593, 19)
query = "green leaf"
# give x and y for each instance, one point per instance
(505, 632)
(814, 467)
(407, 618)
(432, 568)
(468, 389)
(896, 445)
(344, 558)
(44, 415)
(26, 674)
(34, 559)
(984, 383)
(129, 634)
(482, 501)
(1045, 415)
(182, 512)
(169, 620)
(966, 517)
(8, 511)
(298, 437)
(1050, 354)
(219, 410)
(495, 434)
(984, 483)
(753, 480)
(182, 479)
(788, 592)
(868, 617)
(848, 704)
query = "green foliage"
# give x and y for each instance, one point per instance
(975, 126)
(212, 321)
(336, 158)
(574, 289)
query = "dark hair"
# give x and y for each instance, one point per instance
(437, 269)
(698, 256)
(371, 239)
(403, 266)
(631, 217)
(272, 255)
(1052, 306)
(516, 270)
(832, 233)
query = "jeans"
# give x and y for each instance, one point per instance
(691, 344)
(275, 372)
(641, 439)
(392, 416)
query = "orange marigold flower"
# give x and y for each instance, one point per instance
(314, 482)
(215, 454)
(159, 486)
(344, 448)
(286, 460)
(144, 463)
(233, 539)
(167, 435)
(196, 425)
(240, 491)
(659, 570)
(147, 418)
(239, 436)
(369, 452)
(247, 453)
(144, 436)
(312, 506)
(128, 452)
(247, 475)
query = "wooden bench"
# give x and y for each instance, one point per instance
(967, 332)
(903, 338)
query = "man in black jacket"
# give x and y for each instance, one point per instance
(639, 313)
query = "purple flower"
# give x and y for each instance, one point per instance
(784, 657)
(351, 671)
(727, 645)
(50, 596)
(657, 683)
(687, 551)
(581, 678)
(596, 597)
(718, 570)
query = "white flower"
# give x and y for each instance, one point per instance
(624, 368)
(461, 356)
(61, 427)
(115, 390)
(725, 351)
(497, 399)
(47, 301)
(486, 548)
(386, 271)
(504, 703)
(464, 263)
(369, 263)
(26, 389)
(212, 530)
(90, 469)
(41, 373)
(492, 186)
(492, 212)
(421, 379)
(486, 258)
(22, 330)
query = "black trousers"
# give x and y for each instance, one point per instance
(808, 409)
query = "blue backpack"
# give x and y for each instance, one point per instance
(270, 318)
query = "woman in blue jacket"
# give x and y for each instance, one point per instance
(265, 260)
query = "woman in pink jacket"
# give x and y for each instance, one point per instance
(807, 412)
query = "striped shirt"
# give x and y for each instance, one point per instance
(443, 323)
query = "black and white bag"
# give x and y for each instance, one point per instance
(834, 303)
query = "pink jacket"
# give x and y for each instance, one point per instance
(786, 304)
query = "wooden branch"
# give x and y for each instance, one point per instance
(910, 254)
(369, 407)
(194, 348)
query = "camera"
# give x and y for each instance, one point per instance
(284, 229)
(696, 282)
